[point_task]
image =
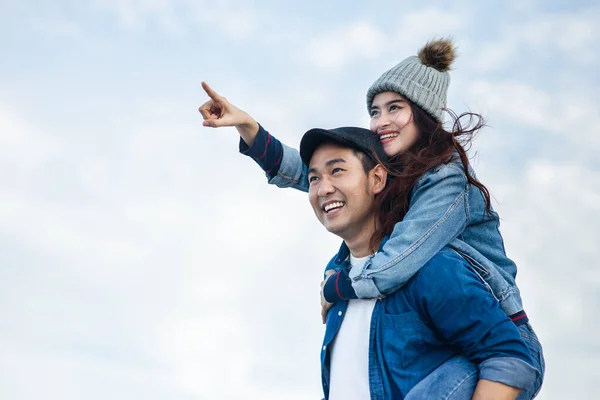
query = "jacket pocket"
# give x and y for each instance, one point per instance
(476, 266)
(403, 339)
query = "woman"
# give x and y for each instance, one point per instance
(437, 197)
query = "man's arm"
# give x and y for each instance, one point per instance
(490, 390)
(454, 300)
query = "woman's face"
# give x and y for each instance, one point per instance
(392, 120)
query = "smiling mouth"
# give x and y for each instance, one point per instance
(336, 205)
(388, 136)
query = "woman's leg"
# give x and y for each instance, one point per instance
(456, 378)
(453, 380)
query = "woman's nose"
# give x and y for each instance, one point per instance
(382, 122)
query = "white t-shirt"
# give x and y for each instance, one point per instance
(349, 364)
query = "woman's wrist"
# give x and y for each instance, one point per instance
(248, 130)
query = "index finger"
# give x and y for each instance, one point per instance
(211, 93)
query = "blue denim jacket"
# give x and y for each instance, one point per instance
(443, 310)
(445, 210)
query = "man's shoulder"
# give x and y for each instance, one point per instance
(444, 267)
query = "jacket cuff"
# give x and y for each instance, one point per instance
(364, 285)
(259, 146)
(339, 287)
(508, 370)
(290, 171)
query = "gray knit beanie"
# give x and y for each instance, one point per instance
(422, 79)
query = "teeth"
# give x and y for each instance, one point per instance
(388, 136)
(331, 206)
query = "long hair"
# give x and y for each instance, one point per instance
(435, 146)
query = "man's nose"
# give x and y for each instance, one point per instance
(325, 188)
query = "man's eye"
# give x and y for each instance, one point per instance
(335, 170)
(312, 179)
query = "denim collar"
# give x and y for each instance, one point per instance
(344, 251)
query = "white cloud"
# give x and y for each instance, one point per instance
(550, 227)
(364, 40)
(50, 26)
(572, 34)
(494, 56)
(149, 273)
(518, 101)
(21, 143)
(136, 13)
(180, 17)
(335, 49)
(523, 104)
(424, 24)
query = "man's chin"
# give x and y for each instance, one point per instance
(336, 229)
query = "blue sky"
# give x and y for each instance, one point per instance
(141, 255)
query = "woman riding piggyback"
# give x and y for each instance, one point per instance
(438, 199)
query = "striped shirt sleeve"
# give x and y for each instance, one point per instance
(266, 151)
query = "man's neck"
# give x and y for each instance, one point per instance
(359, 243)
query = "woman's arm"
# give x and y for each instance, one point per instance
(437, 214)
(281, 163)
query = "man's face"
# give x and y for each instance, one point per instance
(340, 192)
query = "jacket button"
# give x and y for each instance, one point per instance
(339, 313)
(324, 348)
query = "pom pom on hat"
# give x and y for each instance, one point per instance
(438, 54)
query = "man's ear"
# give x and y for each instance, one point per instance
(378, 177)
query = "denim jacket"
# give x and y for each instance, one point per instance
(443, 310)
(445, 210)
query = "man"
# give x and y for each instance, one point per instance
(390, 348)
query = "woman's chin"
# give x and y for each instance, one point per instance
(393, 148)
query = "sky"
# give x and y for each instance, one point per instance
(142, 257)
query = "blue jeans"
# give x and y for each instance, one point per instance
(456, 378)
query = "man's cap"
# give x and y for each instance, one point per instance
(360, 139)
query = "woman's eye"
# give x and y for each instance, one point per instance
(394, 108)
(374, 113)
